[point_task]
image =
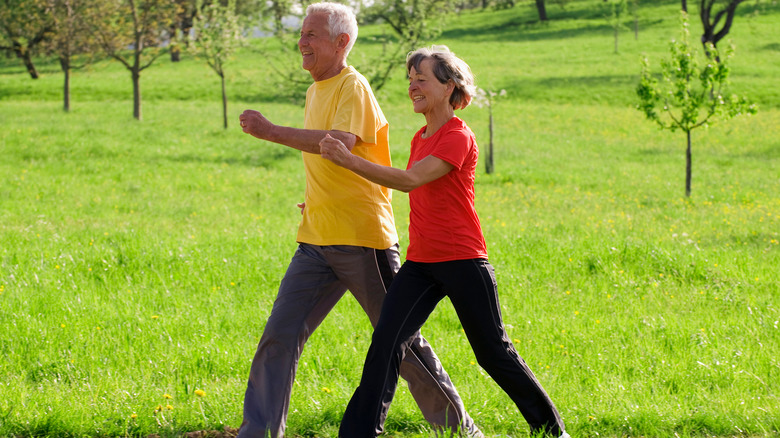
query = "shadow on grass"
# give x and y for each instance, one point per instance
(771, 47)
(269, 159)
(519, 29)
(614, 89)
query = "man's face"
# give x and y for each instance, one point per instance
(320, 52)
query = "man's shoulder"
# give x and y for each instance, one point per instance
(352, 72)
(351, 75)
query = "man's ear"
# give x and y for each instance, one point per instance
(343, 41)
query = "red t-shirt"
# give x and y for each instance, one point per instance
(443, 223)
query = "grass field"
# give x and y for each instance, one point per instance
(139, 260)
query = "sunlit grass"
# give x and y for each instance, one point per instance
(139, 260)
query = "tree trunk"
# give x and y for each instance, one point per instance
(174, 44)
(24, 55)
(636, 28)
(616, 39)
(65, 64)
(489, 159)
(542, 11)
(685, 5)
(711, 35)
(688, 166)
(224, 102)
(175, 54)
(136, 93)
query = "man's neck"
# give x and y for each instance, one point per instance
(329, 73)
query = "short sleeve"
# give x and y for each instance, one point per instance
(454, 147)
(358, 112)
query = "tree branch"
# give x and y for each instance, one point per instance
(154, 58)
(731, 11)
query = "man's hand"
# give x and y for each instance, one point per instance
(302, 206)
(255, 124)
(334, 150)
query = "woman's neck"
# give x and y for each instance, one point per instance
(436, 120)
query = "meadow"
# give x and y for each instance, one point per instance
(139, 260)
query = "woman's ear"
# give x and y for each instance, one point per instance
(450, 86)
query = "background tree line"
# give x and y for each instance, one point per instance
(136, 33)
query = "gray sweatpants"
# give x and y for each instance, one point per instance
(318, 276)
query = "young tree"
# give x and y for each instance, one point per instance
(71, 37)
(278, 18)
(487, 98)
(217, 34)
(187, 10)
(633, 6)
(24, 26)
(141, 25)
(615, 16)
(689, 96)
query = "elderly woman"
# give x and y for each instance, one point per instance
(447, 255)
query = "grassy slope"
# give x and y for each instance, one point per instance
(140, 259)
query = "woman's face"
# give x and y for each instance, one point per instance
(426, 92)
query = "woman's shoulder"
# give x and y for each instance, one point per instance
(460, 123)
(457, 126)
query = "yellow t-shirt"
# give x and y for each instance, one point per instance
(343, 208)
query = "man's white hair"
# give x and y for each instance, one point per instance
(341, 19)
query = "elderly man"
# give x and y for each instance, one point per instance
(346, 240)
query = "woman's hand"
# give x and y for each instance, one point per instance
(335, 151)
(422, 172)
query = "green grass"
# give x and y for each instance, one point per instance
(139, 260)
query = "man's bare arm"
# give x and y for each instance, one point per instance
(306, 140)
